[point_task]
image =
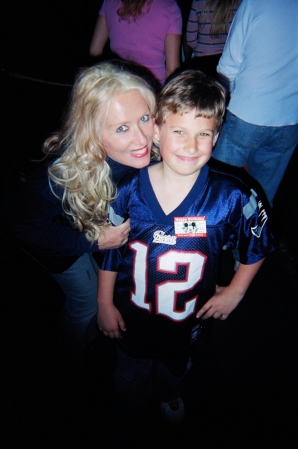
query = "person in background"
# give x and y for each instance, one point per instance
(184, 6)
(207, 29)
(62, 210)
(259, 67)
(165, 279)
(147, 32)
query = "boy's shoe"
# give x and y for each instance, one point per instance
(173, 411)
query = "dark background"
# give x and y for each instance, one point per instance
(43, 46)
(242, 392)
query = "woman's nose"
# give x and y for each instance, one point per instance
(139, 136)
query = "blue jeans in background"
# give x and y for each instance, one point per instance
(265, 150)
(77, 322)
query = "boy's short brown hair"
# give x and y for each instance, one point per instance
(189, 90)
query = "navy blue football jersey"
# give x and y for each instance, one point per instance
(168, 269)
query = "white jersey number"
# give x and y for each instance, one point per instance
(167, 292)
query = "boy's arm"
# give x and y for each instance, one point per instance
(109, 318)
(227, 298)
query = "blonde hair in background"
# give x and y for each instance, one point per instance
(132, 9)
(220, 14)
(80, 176)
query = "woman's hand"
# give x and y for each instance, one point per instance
(114, 236)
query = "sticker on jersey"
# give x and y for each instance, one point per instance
(161, 237)
(190, 226)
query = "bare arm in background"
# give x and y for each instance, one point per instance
(172, 50)
(99, 38)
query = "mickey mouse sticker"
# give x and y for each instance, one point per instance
(190, 226)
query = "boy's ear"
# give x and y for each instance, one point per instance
(156, 135)
(215, 138)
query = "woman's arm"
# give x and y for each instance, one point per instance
(172, 51)
(100, 37)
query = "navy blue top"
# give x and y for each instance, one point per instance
(168, 269)
(37, 221)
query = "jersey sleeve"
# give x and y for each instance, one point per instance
(254, 239)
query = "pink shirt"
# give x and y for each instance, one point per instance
(143, 41)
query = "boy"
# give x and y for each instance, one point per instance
(166, 277)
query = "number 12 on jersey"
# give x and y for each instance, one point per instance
(166, 292)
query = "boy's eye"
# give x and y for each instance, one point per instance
(145, 118)
(204, 134)
(122, 129)
(178, 131)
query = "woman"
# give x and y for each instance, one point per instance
(207, 29)
(61, 216)
(147, 32)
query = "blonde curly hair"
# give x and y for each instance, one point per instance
(80, 176)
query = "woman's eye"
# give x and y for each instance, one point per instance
(145, 118)
(122, 129)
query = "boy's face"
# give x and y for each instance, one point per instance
(186, 141)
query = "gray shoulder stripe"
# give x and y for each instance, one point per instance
(251, 206)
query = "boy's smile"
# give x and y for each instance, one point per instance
(186, 141)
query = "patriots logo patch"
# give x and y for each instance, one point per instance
(160, 237)
(262, 218)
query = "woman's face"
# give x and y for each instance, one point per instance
(128, 131)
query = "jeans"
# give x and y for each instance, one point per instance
(265, 150)
(77, 322)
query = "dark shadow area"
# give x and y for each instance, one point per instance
(242, 391)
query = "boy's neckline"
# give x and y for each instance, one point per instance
(169, 188)
(194, 194)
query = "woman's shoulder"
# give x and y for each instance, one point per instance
(129, 178)
(36, 175)
(35, 184)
